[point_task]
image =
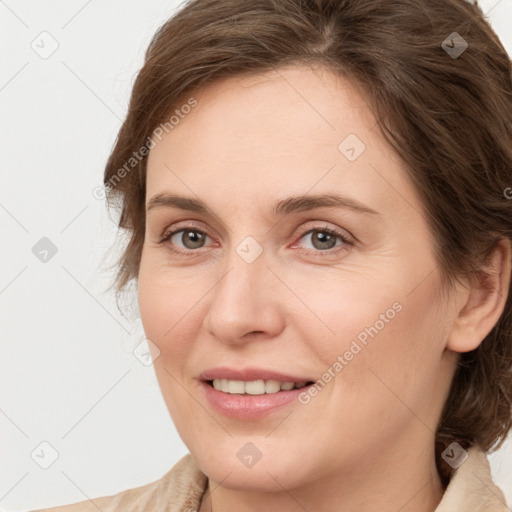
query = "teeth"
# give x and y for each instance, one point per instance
(233, 386)
(272, 386)
(254, 387)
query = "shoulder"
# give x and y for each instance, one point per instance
(472, 488)
(181, 488)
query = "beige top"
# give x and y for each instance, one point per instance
(181, 489)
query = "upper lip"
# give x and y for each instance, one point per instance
(249, 374)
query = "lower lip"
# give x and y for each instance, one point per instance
(249, 406)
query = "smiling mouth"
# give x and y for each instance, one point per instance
(255, 387)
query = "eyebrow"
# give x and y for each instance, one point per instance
(281, 207)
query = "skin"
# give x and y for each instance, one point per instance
(366, 441)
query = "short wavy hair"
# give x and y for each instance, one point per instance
(448, 116)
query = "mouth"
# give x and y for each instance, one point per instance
(252, 393)
(255, 387)
(252, 399)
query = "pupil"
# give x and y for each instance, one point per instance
(192, 235)
(324, 238)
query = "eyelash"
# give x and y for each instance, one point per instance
(316, 253)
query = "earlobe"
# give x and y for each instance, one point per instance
(484, 302)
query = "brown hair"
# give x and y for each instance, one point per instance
(449, 118)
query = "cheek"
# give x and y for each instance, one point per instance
(166, 296)
(345, 315)
(398, 368)
(169, 304)
(170, 321)
(380, 338)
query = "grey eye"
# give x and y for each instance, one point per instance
(190, 238)
(321, 239)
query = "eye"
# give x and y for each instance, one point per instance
(190, 238)
(323, 240)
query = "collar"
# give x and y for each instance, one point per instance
(471, 487)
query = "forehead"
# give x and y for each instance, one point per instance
(281, 109)
(288, 130)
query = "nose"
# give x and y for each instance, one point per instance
(245, 303)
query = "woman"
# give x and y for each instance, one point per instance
(317, 195)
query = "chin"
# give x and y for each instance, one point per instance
(270, 473)
(263, 478)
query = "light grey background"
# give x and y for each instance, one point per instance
(69, 377)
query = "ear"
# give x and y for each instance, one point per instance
(481, 302)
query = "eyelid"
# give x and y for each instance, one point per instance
(185, 224)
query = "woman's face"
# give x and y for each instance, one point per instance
(257, 285)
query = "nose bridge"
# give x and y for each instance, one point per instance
(241, 302)
(245, 267)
